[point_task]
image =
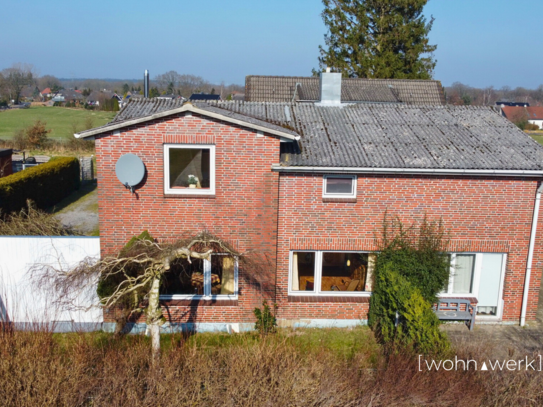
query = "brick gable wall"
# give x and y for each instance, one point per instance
(243, 210)
(483, 215)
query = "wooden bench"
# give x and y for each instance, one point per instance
(454, 309)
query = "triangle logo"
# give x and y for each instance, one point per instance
(484, 366)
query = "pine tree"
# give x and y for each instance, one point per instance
(377, 39)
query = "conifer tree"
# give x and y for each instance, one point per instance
(377, 39)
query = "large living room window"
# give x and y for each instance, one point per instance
(479, 275)
(217, 277)
(189, 169)
(330, 273)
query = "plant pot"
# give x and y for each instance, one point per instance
(192, 185)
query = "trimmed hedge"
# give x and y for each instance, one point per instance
(45, 184)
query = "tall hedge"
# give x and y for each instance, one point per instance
(45, 184)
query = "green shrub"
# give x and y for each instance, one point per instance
(265, 319)
(401, 317)
(411, 269)
(45, 184)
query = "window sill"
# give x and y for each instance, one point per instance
(337, 199)
(177, 196)
(200, 302)
(329, 298)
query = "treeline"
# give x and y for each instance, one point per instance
(460, 94)
(169, 83)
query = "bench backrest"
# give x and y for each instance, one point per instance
(453, 304)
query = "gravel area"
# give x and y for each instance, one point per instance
(80, 211)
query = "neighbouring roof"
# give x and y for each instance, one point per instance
(399, 136)
(46, 91)
(530, 112)
(294, 88)
(377, 136)
(204, 96)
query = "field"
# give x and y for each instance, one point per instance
(60, 120)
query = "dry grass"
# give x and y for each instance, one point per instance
(33, 222)
(332, 367)
(68, 147)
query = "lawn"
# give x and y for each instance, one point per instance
(537, 136)
(59, 120)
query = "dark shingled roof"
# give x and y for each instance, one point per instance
(379, 135)
(399, 136)
(285, 89)
(139, 108)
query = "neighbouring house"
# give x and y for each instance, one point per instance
(306, 186)
(5, 162)
(307, 88)
(95, 97)
(46, 93)
(530, 114)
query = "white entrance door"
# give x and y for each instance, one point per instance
(491, 285)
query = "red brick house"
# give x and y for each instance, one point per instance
(307, 184)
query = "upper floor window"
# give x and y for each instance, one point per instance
(339, 186)
(189, 169)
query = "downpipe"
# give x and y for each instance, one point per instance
(530, 256)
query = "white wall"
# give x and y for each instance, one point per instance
(538, 122)
(26, 303)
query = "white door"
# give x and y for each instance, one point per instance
(490, 285)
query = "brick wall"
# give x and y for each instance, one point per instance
(257, 209)
(482, 214)
(243, 210)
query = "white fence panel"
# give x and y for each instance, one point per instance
(22, 302)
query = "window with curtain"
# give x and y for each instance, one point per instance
(479, 275)
(208, 278)
(339, 186)
(327, 272)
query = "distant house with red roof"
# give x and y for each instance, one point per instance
(46, 93)
(533, 114)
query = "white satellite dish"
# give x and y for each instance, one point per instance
(130, 170)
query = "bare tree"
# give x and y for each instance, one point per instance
(49, 81)
(132, 277)
(17, 78)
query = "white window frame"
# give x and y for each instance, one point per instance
(207, 285)
(189, 191)
(318, 276)
(476, 282)
(353, 185)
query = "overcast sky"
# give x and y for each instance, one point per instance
(480, 42)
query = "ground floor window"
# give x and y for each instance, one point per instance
(330, 273)
(206, 278)
(479, 275)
